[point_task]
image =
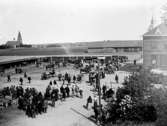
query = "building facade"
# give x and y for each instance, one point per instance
(155, 47)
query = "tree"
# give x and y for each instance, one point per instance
(133, 99)
(159, 99)
(139, 85)
(164, 12)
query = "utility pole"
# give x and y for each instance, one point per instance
(99, 87)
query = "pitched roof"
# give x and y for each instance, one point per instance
(113, 43)
(160, 30)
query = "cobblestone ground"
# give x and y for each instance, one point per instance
(67, 113)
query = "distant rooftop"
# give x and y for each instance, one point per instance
(12, 43)
(113, 43)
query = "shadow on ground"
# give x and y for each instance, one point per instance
(91, 118)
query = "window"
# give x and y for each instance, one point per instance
(163, 60)
(153, 59)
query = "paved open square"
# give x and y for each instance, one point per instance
(65, 113)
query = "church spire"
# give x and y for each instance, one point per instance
(19, 38)
(151, 26)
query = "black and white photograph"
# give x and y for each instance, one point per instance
(83, 63)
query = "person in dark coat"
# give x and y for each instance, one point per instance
(47, 92)
(28, 111)
(109, 93)
(103, 75)
(96, 113)
(89, 100)
(66, 76)
(29, 79)
(21, 80)
(25, 75)
(8, 78)
(39, 106)
(16, 70)
(97, 81)
(74, 78)
(59, 76)
(63, 92)
(67, 89)
(53, 73)
(19, 91)
(69, 79)
(96, 110)
(81, 93)
(91, 78)
(53, 98)
(50, 83)
(116, 78)
(56, 94)
(61, 89)
(54, 82)
(20, 102)
(79, 78)
(134, 62)
(104, 88)
(33, 114)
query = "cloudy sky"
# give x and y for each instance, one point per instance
(52, 21)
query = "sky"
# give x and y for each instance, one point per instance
(58, 21)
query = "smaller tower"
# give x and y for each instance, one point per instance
(151, 26)
(19, 38)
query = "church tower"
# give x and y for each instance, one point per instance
(19, 38)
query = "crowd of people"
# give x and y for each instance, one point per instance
(34, 102)
(55, 92)
(70, 79)
(29, 100)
